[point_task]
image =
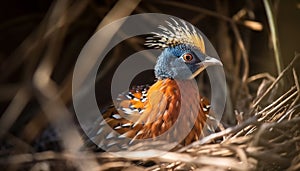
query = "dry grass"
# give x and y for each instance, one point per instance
(265, 136)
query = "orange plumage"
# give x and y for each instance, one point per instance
(157, 114)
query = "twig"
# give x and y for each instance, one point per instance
(260, 76)
(276, 81)
(14, 110)
(244, 54)
(277, 100)
(202, 10)
(289, 112)
(274, 35)
(297, 86)
(167, 157)
(277, 107)
(8, 91)
(227, 131)
(121, 9)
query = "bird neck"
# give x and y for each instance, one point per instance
(163, 64)
(168, 97)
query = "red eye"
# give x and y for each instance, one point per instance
(188, 57)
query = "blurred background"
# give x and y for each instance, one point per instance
(40, 42)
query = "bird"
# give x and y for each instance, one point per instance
(148, 111)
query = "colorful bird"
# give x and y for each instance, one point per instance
(150, 111)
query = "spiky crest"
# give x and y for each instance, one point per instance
(177, 32)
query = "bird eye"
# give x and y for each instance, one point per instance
(188, 57)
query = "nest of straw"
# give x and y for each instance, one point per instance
(268, 138)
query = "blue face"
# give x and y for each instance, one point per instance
(178, 62)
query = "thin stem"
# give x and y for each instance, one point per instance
(274, 35)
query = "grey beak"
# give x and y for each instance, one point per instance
(209, 61)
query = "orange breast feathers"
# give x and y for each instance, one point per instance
(147, 112)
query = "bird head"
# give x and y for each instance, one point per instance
(183, 55)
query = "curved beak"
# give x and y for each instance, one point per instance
(209, 61)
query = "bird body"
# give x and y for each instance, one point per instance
(150, 111)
